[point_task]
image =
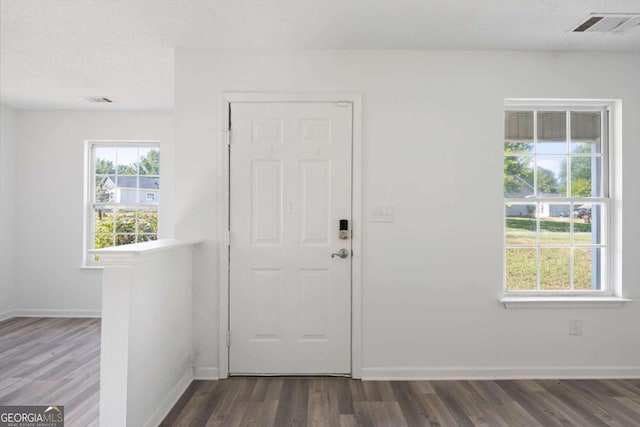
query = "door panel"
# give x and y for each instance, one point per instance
(315, 191)
(266, 203)
(314, 304)
(266, 288)
(290, 184)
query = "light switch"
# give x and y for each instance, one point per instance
(382, 214)
(575, 326)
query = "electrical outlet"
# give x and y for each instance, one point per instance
(575, 326)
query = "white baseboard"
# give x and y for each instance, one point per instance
(206, 373)
(512, 373)
(170, 399)
(7, 315)
(43, 312)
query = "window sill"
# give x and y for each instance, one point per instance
(562, 302)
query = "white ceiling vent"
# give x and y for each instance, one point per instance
(618, 23)
(98, 99)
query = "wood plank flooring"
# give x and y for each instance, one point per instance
(344, 402)
(52, 361)
(56, 361)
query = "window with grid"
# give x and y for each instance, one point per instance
(556, 199)
(124, 193)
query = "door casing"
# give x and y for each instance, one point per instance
(356, 207)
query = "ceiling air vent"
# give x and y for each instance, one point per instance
(98, 99)
(618, 23)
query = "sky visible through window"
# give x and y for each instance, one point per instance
(124, 155)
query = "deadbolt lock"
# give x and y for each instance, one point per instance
(343, 231)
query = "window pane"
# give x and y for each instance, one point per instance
(147, 237)
(147, 221)
(521, 269)
(585, 176)
(518, 176)
(103, 220)
(520, 224)
(103, 228)
(586, 269)
(146, 196)
(103, 241)
(105, 160)
(525, 147)
(552, 176)
(149, 189)
(127, 189)
(127, 160)
(125, 239)
(555, 224)
(105, 188)
(588, 223)
(518, 132)
(552, 132)
(125, 222)
(586, 132)
(149, 161)
(554, 269)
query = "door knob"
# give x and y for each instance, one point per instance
(342, 253)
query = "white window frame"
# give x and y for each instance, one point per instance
(608, 289)
(89, 192)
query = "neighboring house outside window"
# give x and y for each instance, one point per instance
(556, 195)
(123, 194)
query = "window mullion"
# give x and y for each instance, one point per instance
(535, 154)
(568, 187)
(569, 192)
(538, 251)
(137, 224)
(605, 180)
(117, 195)
(138, 175)
(92, 181)
(137, 195)
(91, 223)
(535, 192)
(113, 233)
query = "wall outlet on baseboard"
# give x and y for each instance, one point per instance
(575, 326)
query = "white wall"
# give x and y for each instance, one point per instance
(49, 202)
(7, 182)
(160, 337)
(145, 354)
(432, 134)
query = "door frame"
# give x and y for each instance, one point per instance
(356, 211)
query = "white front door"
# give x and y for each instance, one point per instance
(290, 185)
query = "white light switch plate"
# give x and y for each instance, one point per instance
(575, 326)
(382, 214)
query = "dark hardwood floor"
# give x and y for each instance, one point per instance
(56, 361)
(52, 361)
(345, 402)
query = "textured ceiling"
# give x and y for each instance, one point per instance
(53, 52)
